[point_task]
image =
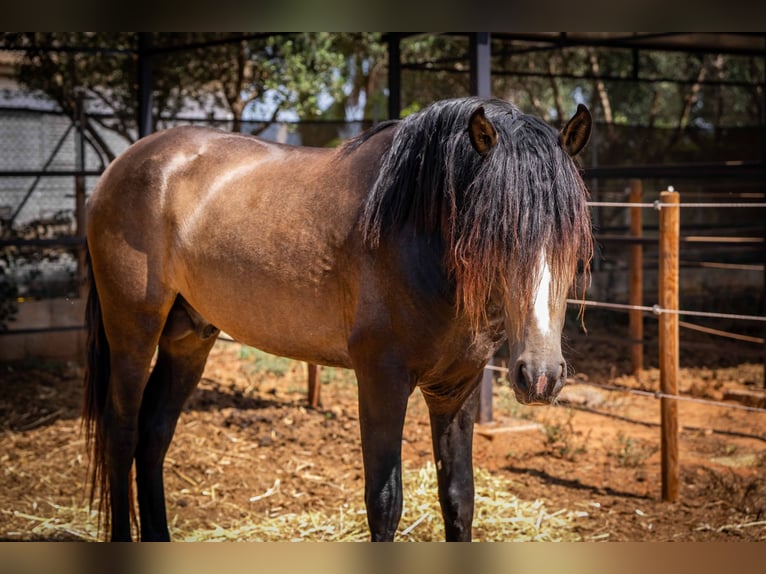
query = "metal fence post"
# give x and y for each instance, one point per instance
(636, 280)
(79, 194)
(484, 412)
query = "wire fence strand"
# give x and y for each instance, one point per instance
(657, 310)
(659, 205)
(652, 394)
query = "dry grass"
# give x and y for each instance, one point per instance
(251, 462)
(500, 516)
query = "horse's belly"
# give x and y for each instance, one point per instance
(302, 320)
(270, 264)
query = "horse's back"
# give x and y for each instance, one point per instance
(154, 168)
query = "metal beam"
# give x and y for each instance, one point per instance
(479, 48)
(741, 170)
(481, 85)
(144, 119)
(394, 76)
(428, 67)
(735, 44)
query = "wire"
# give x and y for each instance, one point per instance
(653, 394)
(657, 310)
(719, 333)
(659, 205)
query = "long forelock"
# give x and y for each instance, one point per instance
(531, 198)
(496, 214)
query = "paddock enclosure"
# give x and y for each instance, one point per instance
(261, 454)
(250, 460)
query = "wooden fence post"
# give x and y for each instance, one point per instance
(668, 340)
(636, 280)
(314, 386)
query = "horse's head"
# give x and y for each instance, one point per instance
(545, 269)
(502, 191)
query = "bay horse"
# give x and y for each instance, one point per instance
(408, 254)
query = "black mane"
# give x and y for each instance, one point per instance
(355, 142)
(495, 212)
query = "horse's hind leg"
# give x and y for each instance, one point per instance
(452, 435)
(134, 337)
(183, 352)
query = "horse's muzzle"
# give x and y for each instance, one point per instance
(538, 385)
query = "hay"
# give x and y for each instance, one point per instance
(500, 516)
(57, 523)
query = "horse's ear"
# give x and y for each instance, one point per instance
(576, 133)
(481, 131)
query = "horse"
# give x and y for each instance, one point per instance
(409, 254)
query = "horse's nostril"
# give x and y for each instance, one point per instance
(523, 377)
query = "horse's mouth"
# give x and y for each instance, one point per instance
(542, 388)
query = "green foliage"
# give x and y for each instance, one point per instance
(445, 74)
(343, 75)
(660, 102)
(561, 439)
(336, 376)
(632, 453)
(264, 362)
(364, 74)
(284, 72)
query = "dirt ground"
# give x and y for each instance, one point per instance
(248, 448)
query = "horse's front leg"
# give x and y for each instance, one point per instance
(452, 435)
(383, 393)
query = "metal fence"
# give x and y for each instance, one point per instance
(43, 154)
(41, 161)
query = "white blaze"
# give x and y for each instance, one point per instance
(541, 308)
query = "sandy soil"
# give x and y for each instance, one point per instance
(248, 447)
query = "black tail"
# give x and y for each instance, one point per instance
(96, 382)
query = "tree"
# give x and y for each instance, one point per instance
(307, 71)
(277, 72)
(364, 77)
(51, 69)
(220, 71)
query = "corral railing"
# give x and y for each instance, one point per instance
(667, 311)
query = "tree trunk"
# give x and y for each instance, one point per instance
(654, 108)
(603, 95)
(556, 92)
(757, 93)
(689, 101)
